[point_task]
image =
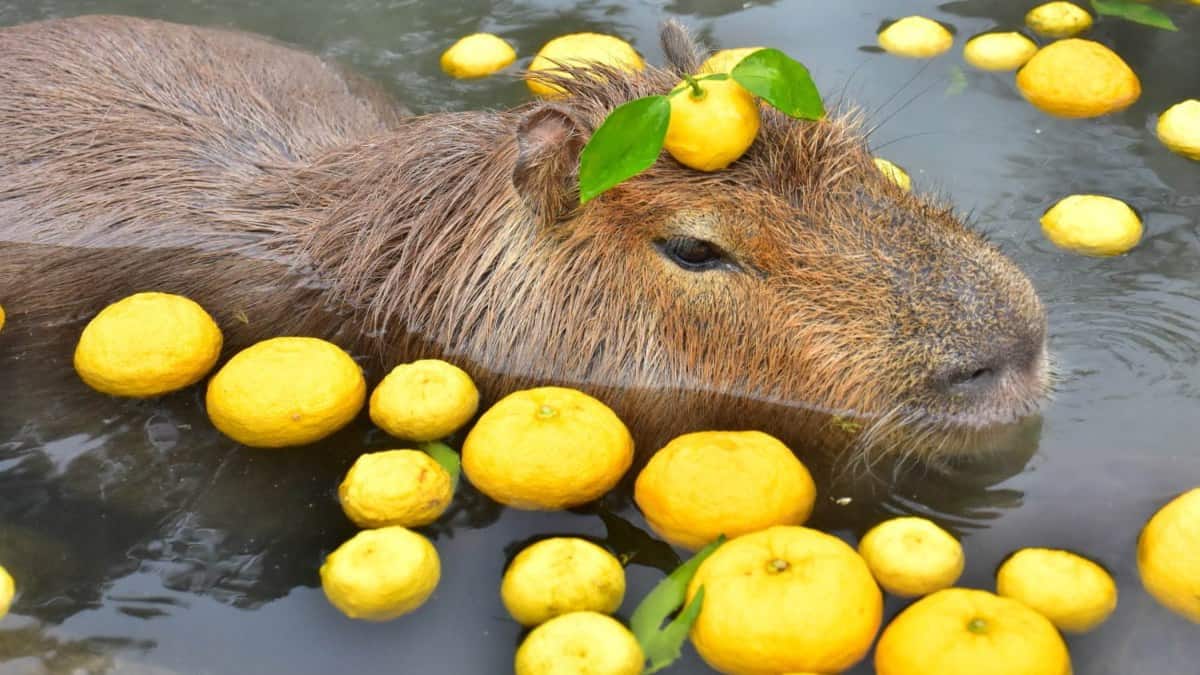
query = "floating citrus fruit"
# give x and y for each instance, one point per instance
(1058, 20)
(705, 484)
(424, 400)
(999, 51)
(1093, 225)
(710, 131)
(912, 556)
(725, 60)
(395, 487)
(7, 590)
(1178, 128)
(894, 173)
(1078, 78)
(285, 391)
(915, 37)
(547, 448)
(1168, 555)
(381, 574)
(147, 345)
(562, 575)
(577, 50)
(1073, 592)
(785, 599)
(580, 643)
(2, 317)
(477, 55)
(960, 630)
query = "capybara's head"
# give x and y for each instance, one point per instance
(798, 291)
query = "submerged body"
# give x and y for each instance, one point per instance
(797, 292)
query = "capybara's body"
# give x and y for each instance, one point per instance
(797, 292)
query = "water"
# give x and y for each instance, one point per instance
(145, 543)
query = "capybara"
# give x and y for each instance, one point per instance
(797, 292)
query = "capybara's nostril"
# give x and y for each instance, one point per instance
(958, 381)
(979, 374)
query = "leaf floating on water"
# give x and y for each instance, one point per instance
(958, 81)
(663, 645)
(781, 81)
(1135, 12)
(447, 458)
(626, 144)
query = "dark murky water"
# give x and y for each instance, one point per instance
(145, 543)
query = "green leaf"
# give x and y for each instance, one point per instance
(447, 457)
(958, 81)
(627, 144)
(662, 645)
(781, 81)
(1134, 11)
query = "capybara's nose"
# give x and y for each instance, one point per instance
(998, 362)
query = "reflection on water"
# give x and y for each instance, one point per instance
(144, 542)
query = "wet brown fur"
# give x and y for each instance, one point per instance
(288, 197)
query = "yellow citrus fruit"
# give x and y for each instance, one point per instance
(960, 630)
(2, 317)
(725, 60)
(381, 574)
(395, 487)
(1178, 128)
(1078, 78)
(561, 575)
(580, 643)
(424, 400)
(894, 173)
(7, 590)
(1058, 20)
(1073, 592)
(547, 448)
(1168, 555)
(577, 50)
(785, 599)
(1093, 225)
(999, 51)
(147, 345)
(477, 55)
(705, 484)
(709, 132)
(915, 37)
(285, 391)
(912, 556)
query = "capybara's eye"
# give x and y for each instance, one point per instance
(694, 255)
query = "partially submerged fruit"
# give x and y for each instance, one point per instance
(894, 173)
(705, 484)
(1078, 78)
(424, 400)
(580, 643)
(1178, 128)
(1073, 592)
(999, 51)
(577, 50)
(7, 590)
(561, 575)
(915, 37)
(395, 487)
(1168, 555)
(912, 556)
(547, 448)
(147, 344)
(1058, 20)
(785, 600)
(477, 55)
(961, 630)
(285, 391)
(1093, 225)
(709, 131)
(381, 574)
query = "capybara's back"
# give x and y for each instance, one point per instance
(797, 292)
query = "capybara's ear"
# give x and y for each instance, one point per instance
(549, 140)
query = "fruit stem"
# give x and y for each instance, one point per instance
(697, 93)
(779, 565)
(977, 625)
(546, 412)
